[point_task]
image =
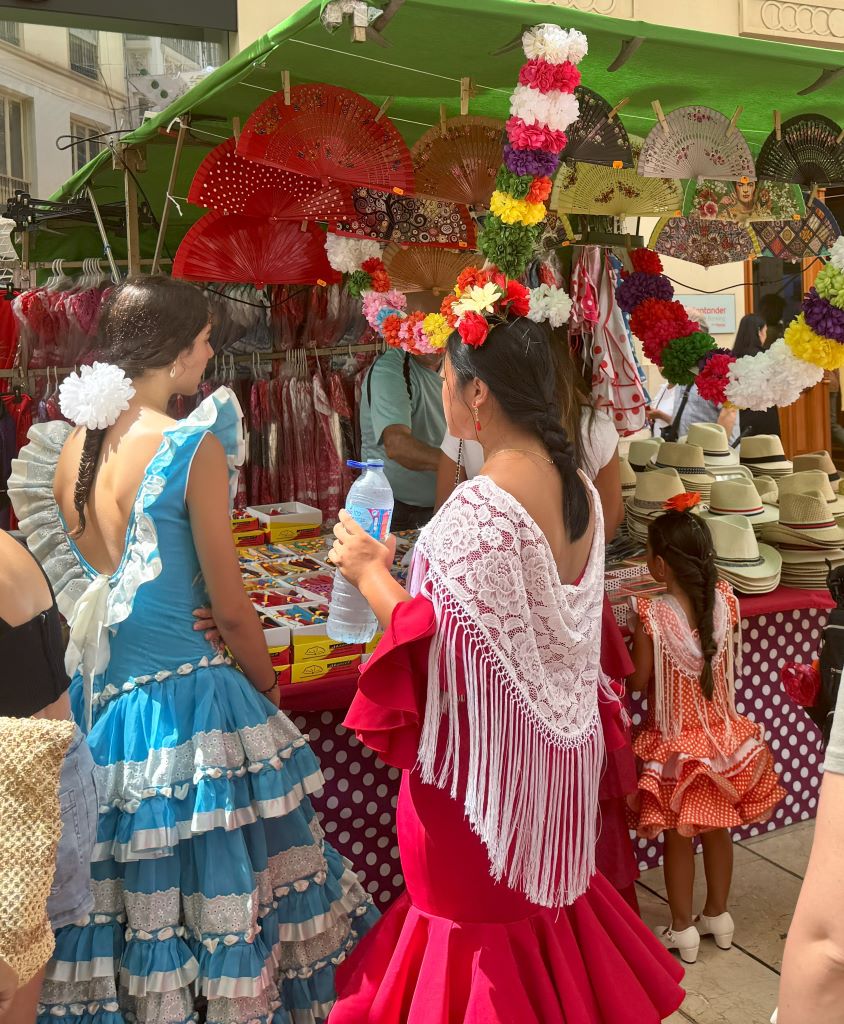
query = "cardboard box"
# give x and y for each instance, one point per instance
(373, 643)
(280, 656)
(333, 668)
(249, 539)
(292, 520)
(313, 644)
(245, 522)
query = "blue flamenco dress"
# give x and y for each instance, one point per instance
(214, 888)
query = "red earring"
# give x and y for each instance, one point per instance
(477, 419)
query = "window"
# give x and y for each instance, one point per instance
(12, 143)
(10, 32)
(84, 52)
(87, 145)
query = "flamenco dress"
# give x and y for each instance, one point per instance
(704, 766)
(213, 885)
(461, 946)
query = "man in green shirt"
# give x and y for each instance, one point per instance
(402, 422)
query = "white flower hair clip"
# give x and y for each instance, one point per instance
(96, 396)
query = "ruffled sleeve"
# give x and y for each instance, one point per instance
(221, 415)
(389, 708)
(31, 494)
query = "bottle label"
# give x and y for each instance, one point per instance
(376, 521)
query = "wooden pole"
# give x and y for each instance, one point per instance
(171, 184)
(115, 273)
(131, 160)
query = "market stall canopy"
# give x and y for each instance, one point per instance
(432, 46)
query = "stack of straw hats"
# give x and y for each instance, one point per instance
(712, 438)
(648, 502)
(740, 498)
(822, 461)
(688, 461)
(808, 538)
(628, 479)
(748, 566)
(640, 453)
(763, 454)
(810, 480)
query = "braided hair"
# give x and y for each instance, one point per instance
(684, 542)
(519, 366)
(146, 323)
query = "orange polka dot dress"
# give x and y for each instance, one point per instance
(703, 766)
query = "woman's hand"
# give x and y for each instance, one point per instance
(658, 414)
(205, 624)
(356, 554)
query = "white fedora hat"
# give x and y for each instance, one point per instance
(818, 460)
(763, 453)
(712, 438)
(640, 452)
(688, 461)
(810, 480)
(740, 498)
(739, 556)
(805, 522)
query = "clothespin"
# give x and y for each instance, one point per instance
(778, 125)
(732, 125)
(443, 118)
(285, 85)
(382, 110)
(840, 137)
(466, 92)
(617, 107)
(813, 195)
(236, 128)
(303, 227)
(660, 116)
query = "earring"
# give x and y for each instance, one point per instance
(477, 419)
(173, 371)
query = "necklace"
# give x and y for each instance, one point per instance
(521, 451)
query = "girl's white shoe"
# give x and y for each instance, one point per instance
(721, 929)
(686, 942)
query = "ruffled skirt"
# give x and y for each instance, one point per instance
(212, 880)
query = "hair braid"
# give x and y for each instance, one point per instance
(562, 452)
(91, 449)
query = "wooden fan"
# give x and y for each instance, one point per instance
(696, 142)
(420, 268)
(808, 152)
(331, 134)
(707, 243)
(603, 191)
(245, 250)
(226, 181)
(596, 137)
(458, 160)
(742, 202)
(789, 240)
(411, 220)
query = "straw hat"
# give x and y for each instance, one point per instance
(808, 570)
(641, 452)
(763, 453)
(750, 567)
(819, 460)
(628, 479)
(712, 438)
(767, 488)
(805, 522)
(812, 480)
(687, 459)
(652, 492)
(740, 498)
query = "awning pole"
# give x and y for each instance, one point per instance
(115, 273)
(171, 184)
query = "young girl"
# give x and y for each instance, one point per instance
(704, 768)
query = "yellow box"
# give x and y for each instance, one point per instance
(307, 671)
(373, 643)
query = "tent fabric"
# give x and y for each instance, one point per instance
(432, 45)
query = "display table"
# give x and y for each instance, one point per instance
(357, 808)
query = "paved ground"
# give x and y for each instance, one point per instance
(740, 986)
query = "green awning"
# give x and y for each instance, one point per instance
(435, 43)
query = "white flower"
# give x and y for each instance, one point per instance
(578, 46)
(547, 42)
(96, 396)
(554, 109)
(346, 255)
(836, 253)
(551, 304)
(478, 300)
(774, 377)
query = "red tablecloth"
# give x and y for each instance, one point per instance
(784, 599)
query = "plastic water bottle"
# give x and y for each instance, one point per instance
(370, 503)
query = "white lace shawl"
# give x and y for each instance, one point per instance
(529, 647)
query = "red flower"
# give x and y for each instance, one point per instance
(660, 321)
(539, 190)
(470, 277)
(373, 265)
(713, 378)
(801, 683)
(534, 136)
(682, 502)
(390, 330)
(516, 299)
(380, 280)
(541, 75)
(473, 329)
(447, 310)
(646, 260)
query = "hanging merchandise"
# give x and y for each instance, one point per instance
(228, 182)
(807, 238)
(696, 142)
(708, 243)
(411, 220)
(597, 136)
(418, 268)
(806, 150)
(457, 160)
(246, 250)
(331, 134)
(744, 201)
(816, 335)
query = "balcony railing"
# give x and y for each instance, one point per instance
(84, 57)
(8, 186)
(10, 32)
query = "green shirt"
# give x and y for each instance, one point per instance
(422, 412)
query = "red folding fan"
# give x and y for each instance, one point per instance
(226, 181)
(244, 250)
(331, 134)
(410, 220)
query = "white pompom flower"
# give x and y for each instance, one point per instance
(547, 42)
(836, 253)
(96, 396)
(551, 304)
(578, 46)
(773, 377)
(346, 255)
(555, 109)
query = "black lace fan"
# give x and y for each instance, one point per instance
(807, 153)
(595, 137)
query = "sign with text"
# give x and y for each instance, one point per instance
(718, 310)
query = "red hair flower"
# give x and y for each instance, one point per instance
(516, 299)
(682, 502)
(534, 136)
(539, 190)
(801, 683)
(646, 261)
(447, 310)
(373, 265)
(471, 277)
(541, 75)
(391, 330)
(380, 280)
(473, 329)
(659, 320)
(713, 378)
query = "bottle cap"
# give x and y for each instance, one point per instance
(369, 464)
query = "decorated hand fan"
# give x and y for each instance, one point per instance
(225, 181)
(460, 163)
(743, 202)
(699, 143)
(790, 240)
(328, 133)
(707, 243)
(603, 191)
(420, 268)
(808, 152)
(595, 137)
(244, 250)
(411, 220)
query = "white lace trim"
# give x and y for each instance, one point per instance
(526, 648)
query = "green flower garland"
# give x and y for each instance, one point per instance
(509, 247)
(680, 359)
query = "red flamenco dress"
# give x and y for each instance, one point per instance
(704, 766)
(460, 947)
